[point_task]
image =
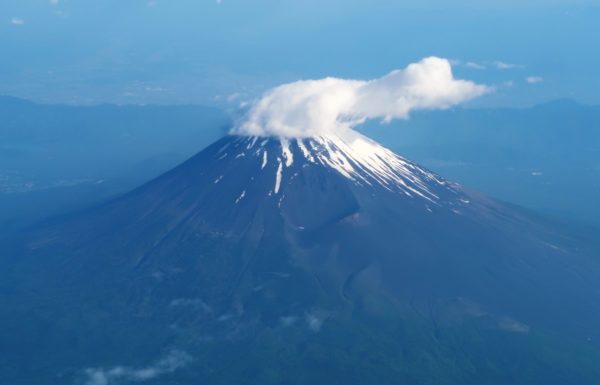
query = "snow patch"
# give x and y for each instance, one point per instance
(285, 150)
(242, 195)
(278, 176)
(252, 143)
(305, 151)
(223, 148)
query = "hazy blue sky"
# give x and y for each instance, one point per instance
(202, 51)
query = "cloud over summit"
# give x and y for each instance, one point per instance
(318, 107)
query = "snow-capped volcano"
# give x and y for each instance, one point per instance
(359, 161)
(272, 240)
(341, 174)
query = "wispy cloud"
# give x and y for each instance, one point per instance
(314, 323)
(474, 65)
(506, 66)
(119, 374)
(467, 64)
(233, 97)
(191, 302)
(534, 79)
(509, 324)
(288, 321)
(497, 64)
(17, 21)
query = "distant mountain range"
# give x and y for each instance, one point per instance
(54, 158)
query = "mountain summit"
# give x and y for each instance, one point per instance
(357, 158)
(326, 259)
(316, 180)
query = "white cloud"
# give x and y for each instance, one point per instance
(534, 79)
(119, 374)
(506, 66)
(233, 97)
(191, 302)
(54, 2)
(499, 65)
(314, 323)
(316, 107)
(17, 21)
(288, 321)
(474, 65)
(509, 324)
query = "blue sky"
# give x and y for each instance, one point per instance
(204, 51)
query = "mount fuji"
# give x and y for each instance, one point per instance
(323, 260)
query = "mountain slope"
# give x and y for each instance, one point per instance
(328, 253)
